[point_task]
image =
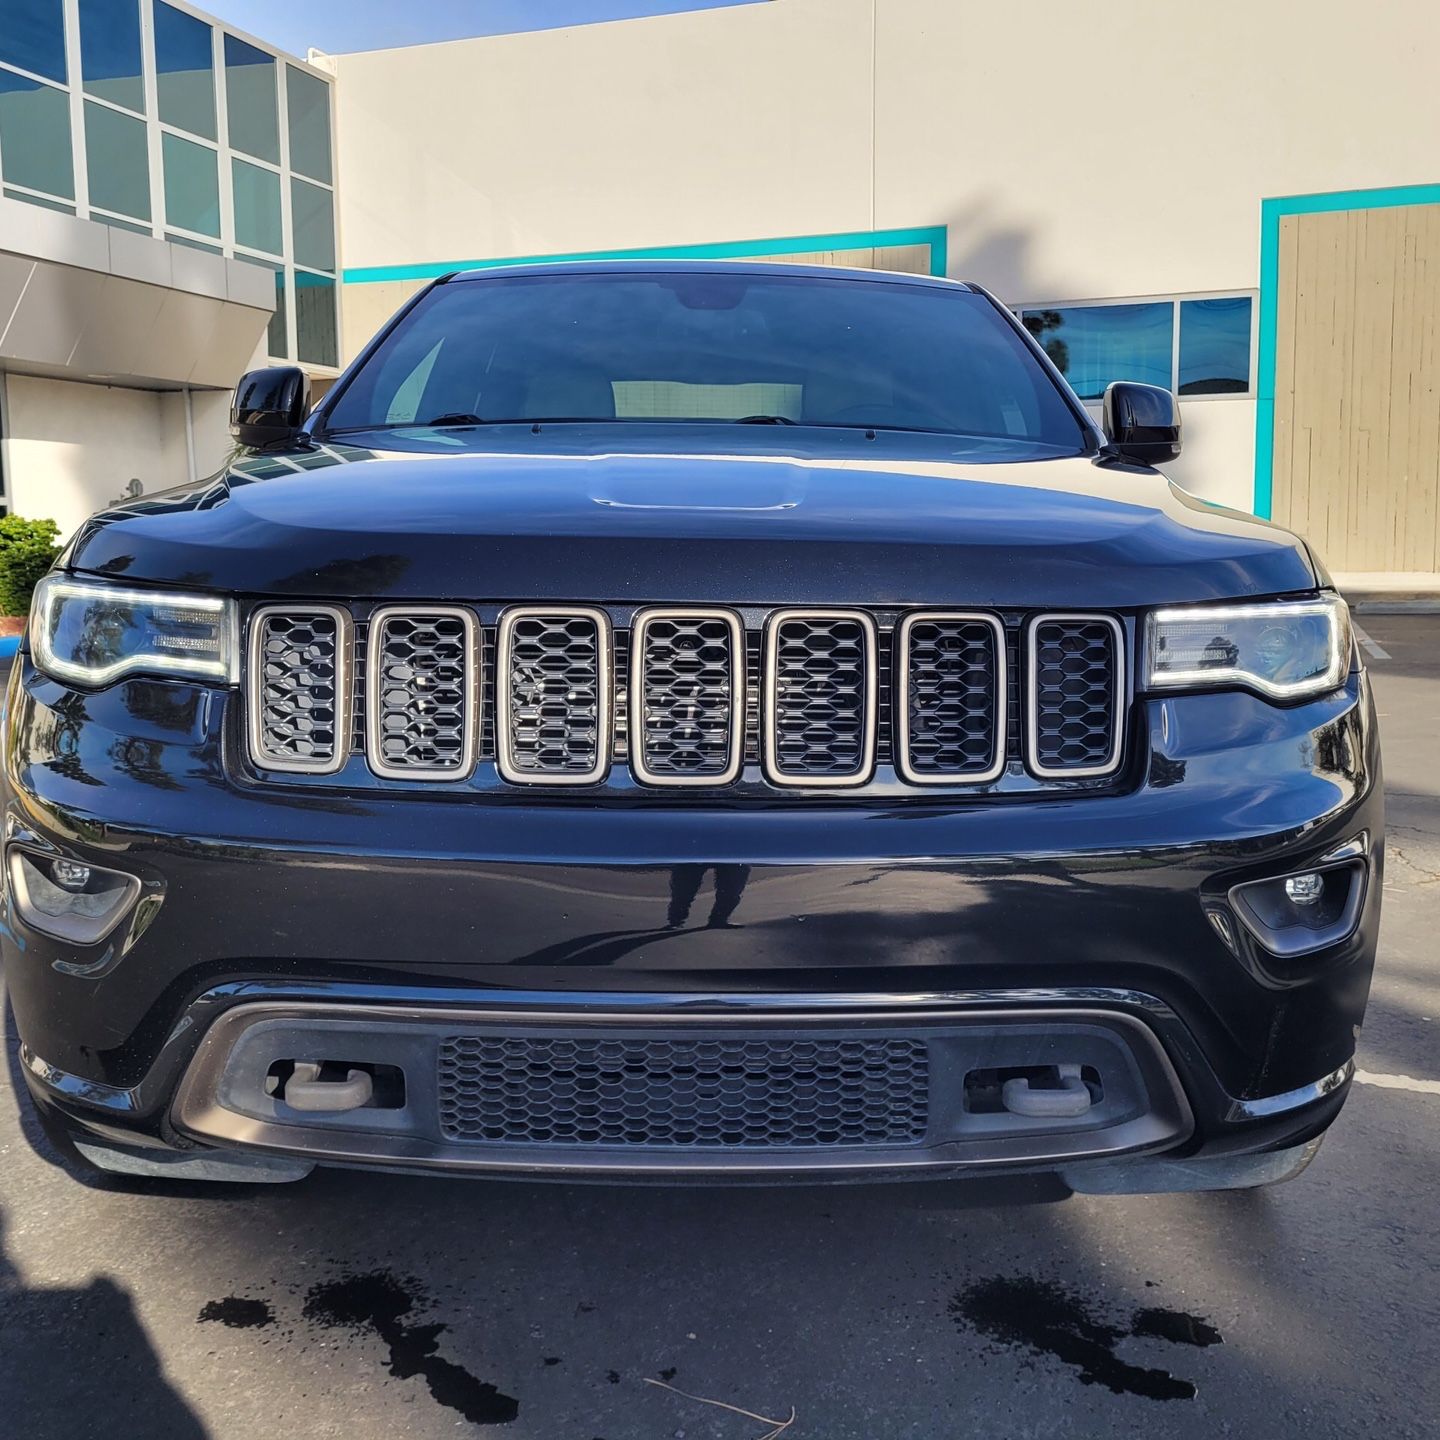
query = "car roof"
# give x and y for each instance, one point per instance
(640, 266)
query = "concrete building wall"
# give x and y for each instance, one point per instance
(1073, 149)
(72, 448)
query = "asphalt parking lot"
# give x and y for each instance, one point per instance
(370, 1306)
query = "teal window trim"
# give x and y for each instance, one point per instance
(935, 236)
(1271, 213)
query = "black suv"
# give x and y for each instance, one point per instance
(692, 721)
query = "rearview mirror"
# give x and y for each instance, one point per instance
(1142, 422)
(270, 406)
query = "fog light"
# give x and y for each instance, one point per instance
(1306, 889)
(70, 874)
(68, 899)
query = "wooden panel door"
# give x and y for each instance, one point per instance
(1357, 386)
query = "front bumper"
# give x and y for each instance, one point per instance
(962, 917)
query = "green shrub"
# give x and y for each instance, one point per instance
(27, 550)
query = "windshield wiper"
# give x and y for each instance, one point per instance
(765, 420)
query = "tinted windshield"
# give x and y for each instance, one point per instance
(709, 347)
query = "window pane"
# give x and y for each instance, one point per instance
(257, 207)
(277, 345)
(192, 186)
(115, 224)
(1215, 346)
(35, 135)
(308, 104)
(250, 100)
(117, 157)
(190, 244)
(32, 35)
(312, 218)
(38, 200)
(316, 333)
(1092, 345)
(110, 51)
(185, 62)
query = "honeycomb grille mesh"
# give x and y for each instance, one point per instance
(1074, 694)
(296, 690)
(733, 1092)
(554, 681)
(821, 727)
(687, 697)
(952, 697)
(422, 674)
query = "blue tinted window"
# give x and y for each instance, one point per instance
(110, 51)
(1092, 345)
(250, 100)
(32, 35)
(35, 135)
(117, 161)
(317, 336)
(185, 62)
(706, 346)
(257, 207)
(312, 217)
(192, 185)
(308, 102)
(1215, 346)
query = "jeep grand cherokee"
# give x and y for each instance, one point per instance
(680, 720)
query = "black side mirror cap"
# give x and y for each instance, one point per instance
(270, 406)
(1142, 422)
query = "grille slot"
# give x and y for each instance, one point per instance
(687, 697)
(299, 688)
(553, 696)
(732, 1093)
(1076, 695)
(820, 697)
(950, 715)
(421, 692)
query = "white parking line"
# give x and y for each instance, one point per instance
(1375, 652)
(1398, 1082)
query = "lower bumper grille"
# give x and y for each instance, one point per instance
(732, 1093)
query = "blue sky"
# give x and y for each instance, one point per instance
(341, 25)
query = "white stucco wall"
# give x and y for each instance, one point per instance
(1075, 149)
(71, 449)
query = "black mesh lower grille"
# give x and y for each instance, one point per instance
(755, 1092)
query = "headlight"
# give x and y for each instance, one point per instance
(93, 633)
(1285, 649)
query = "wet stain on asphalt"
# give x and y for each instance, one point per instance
(238, 1313)
(379, 1302)
(1044, 1317)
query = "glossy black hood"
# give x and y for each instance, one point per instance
(589, 512)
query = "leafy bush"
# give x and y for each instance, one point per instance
(27, 550)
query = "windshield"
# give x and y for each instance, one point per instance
(709, 347)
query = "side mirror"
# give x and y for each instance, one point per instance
(270, 406)
(1142, 422)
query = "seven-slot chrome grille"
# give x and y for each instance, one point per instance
(421, 710)
(553, 681)
(687, 697)
(952, 698)
(566, 695)
(740, 1092)
(300, 688)
(820, 697)
(1076, 695)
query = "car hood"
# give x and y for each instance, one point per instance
(566, 516)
